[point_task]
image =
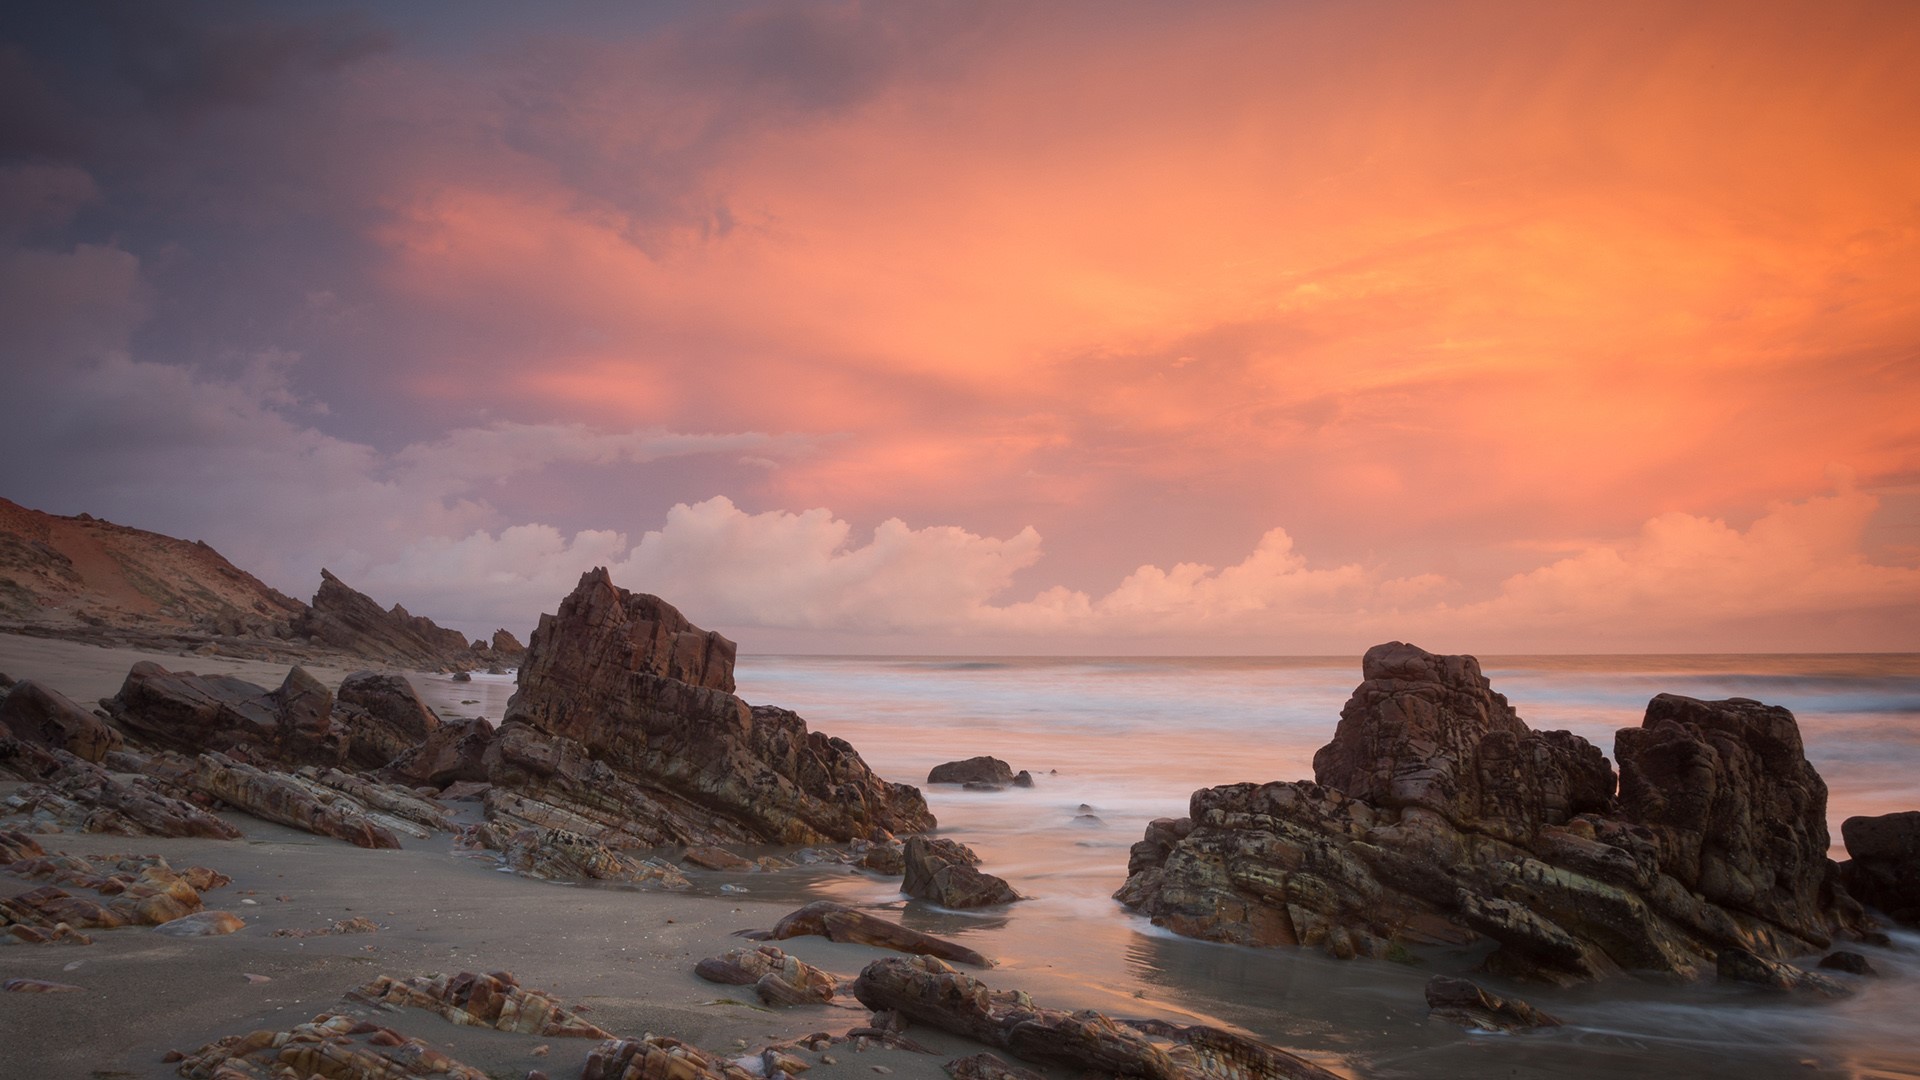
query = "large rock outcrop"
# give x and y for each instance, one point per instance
(625, 718)
(40, 714)
(1437, 814)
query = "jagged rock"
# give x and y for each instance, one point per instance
(351, 622)
(507, 647)
(1739, 965)
(277, 797)
(493, 1000)
(1429, 731)
(392, 700)
(15, 846)
(658, 1057)
(837, 922)
(946, 873)
(1463, 1002)
(560, 855)
(1884, 869)
(981, 770)
(201, 924)
(1472, 824)
(779, 979)
(624, 714)
(1739, 813)
(385, 798)
(326, 1047)
(40, 714)
(453, 752)
(931, 992)
(1850, 962)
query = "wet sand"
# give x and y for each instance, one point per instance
(624, 954)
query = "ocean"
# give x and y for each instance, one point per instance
(1115, 742)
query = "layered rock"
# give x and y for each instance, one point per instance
(495, 1000)
(331, 1045)
(1884, 870)
(777, 978)
(343, 618)
(625, 717)
(1439, 815)
(838, 922)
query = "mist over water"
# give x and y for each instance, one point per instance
(1116, 742)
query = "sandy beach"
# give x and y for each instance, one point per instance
(625, 955)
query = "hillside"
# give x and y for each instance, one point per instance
(88, 579)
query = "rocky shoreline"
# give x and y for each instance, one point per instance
(625, 758)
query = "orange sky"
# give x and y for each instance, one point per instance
(1517, 325)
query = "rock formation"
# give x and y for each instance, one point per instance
(947, 873)
(330, 1045)
(625, 719)
(1884, 871)
(350, 621)
(1472, 1006)
(1439, 815)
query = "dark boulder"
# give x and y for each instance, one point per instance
(453, 752)
(946, 872)
(42, 715)
(1884, 869)
(974, 770)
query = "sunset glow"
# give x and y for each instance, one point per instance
(1007, 328)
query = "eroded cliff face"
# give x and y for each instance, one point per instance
(625, 717)
(1438, 814)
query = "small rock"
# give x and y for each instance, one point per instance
(201, 924)
(37, 986)
(1850, 962)
(252, 978)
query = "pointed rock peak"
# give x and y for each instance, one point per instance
(613, 631)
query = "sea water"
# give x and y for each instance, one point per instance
(1114, 743)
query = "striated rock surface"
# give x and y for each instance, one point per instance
(1739, 965)
(332, 1045)
(658, 1057)
(278, 797)
(492, 1000)
(947, 873)
(77, 794)
(779, 979)
(561, 855)
(1438, 815)
(1884, 869)
(625, 716)
(40, 714)
(931, 992)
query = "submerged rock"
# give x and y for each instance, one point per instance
(1471, 1005)
(1438, 815)
(837, 922)
(625, 717)
(1739, 965)
(974, 770)
(929, 991)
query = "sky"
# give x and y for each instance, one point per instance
(1221, 327)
